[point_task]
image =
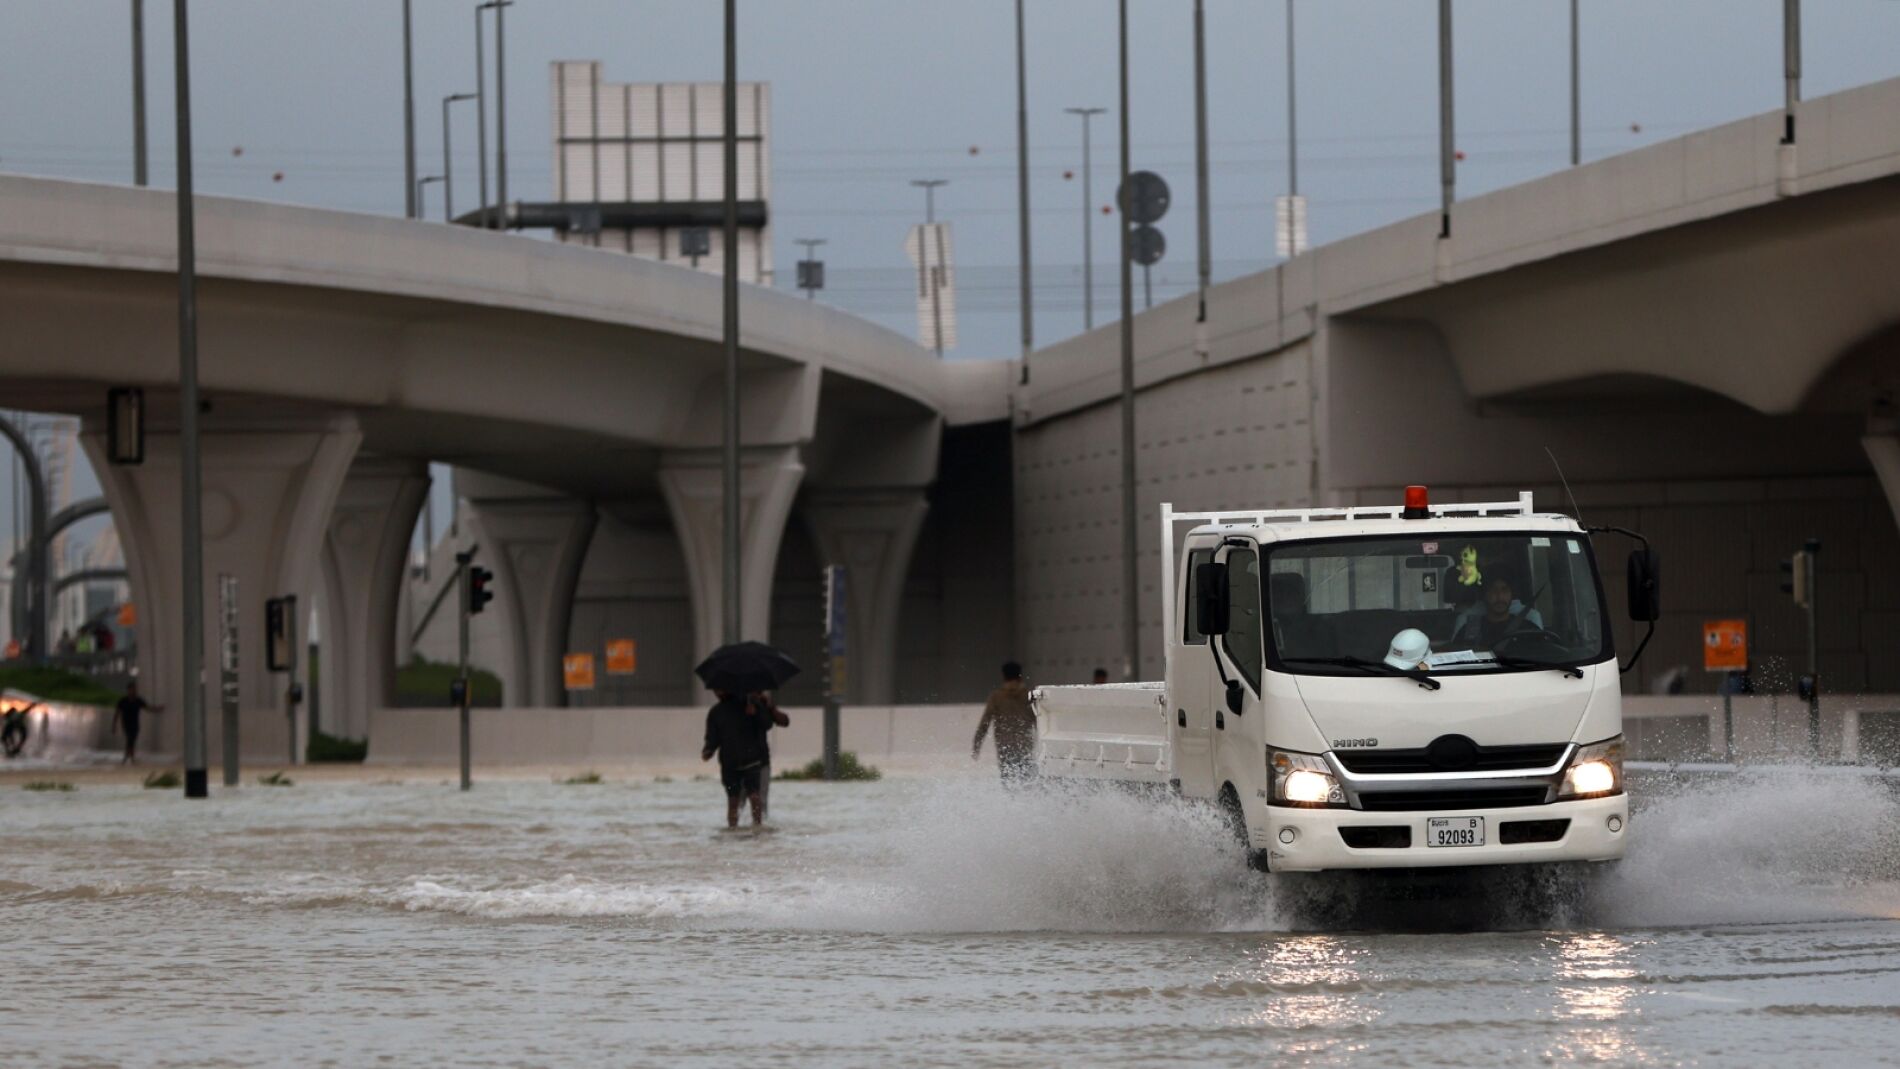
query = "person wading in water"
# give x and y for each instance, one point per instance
(1015, 723)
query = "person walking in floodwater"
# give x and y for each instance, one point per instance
(1015, 722)
(127, 716)
(736, 729)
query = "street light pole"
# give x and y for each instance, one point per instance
(138, 92)
(501, 114)
(412, 208)
(1292, 115)
(733, 603)
(1447, 166)
(1131, 578)
(189, 497)
(1088, 220)
(1022, 186)
(422, 184)
(1791, 62)
(481, 116)
(448, 167)
(1203, 211)
(929, 186)
(1576, 91)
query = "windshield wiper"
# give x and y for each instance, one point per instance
(1378, 667)
(1505, 660)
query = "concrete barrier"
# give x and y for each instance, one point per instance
(646, 735)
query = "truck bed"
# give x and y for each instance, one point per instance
(1115, 731)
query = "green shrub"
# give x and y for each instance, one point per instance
(325, 748)
(582, 779)
(46, 785)
(849, 768)
(276, 779)
(424, 684)
(162, 781)
(57, 685)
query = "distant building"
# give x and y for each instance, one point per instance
(639, 168)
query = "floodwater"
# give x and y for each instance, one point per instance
(913, 922)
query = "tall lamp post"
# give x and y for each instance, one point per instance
(481, 104)
(1088, 219)
(1447, 164)
(1203, 211)
(422, 184)
(1022, 188)
(1131, 578)
(501, 109)
(138, 92)
(191, 675)
(448, 167)
(729, 482)
(1576, 90)
(412, 208)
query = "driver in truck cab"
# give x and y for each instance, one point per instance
(1503, 615)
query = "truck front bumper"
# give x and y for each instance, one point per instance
(1313, 840)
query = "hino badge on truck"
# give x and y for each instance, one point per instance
(1402, 686)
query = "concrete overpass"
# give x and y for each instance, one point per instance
(1706, 333)
(340, 353)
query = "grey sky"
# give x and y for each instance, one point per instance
(872, 93)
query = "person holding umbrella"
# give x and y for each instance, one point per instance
(737, 725)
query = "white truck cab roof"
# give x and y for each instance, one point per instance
(1286, 525)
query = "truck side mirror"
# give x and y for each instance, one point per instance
(1210, 598)
(1645, 589)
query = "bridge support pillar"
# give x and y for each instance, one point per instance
(871, 533)
(535, 542)
(768, 483)
(365, 560)
(267, 498)
(1883, 448)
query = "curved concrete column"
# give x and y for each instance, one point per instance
(267, 499)
(535, 542)
(1883, 448)
(365, 558)
(871, 533)
(768, 483)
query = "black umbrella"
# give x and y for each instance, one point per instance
(744, 667)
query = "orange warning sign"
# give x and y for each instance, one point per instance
(622, 659)
(577, 671)
(1725, 645)
(128, 615)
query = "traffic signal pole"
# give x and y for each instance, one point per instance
(461, 672)
(1813, 548)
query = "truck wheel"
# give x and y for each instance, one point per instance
(1237, 823)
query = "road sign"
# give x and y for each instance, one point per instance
(621, 657)
(577, 671)
(1145, 199)
(129, 614)
(1146, 245)
(811, 274)
(1725, 645)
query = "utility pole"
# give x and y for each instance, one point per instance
(1203, 211)
(1447, 165)
(138, 92)
(462, 687)
(412, 204)
(733, 603)
(1576, 91)
(1022, 187)
(1088, 220)
(192, 671)
(1131, 577)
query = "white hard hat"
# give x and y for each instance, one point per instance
(1409, 649)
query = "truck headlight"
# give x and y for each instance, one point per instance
(1301, 779)
(1596, 771)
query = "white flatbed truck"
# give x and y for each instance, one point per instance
(1410, 686)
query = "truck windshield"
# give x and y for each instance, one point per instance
(1476, 602)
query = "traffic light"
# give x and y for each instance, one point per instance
(1797, 575)
(478, 593)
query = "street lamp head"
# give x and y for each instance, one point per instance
(1085, 112)
(454, 97)
(493, 4)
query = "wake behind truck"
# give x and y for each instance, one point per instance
(1412, 686)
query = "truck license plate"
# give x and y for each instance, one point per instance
(1454, 831)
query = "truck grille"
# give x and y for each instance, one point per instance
(1490, 759)
(1453, 798)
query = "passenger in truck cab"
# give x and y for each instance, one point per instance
(1502, 615)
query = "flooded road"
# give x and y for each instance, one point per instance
(913, 921)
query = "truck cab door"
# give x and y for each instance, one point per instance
(1193, 688)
